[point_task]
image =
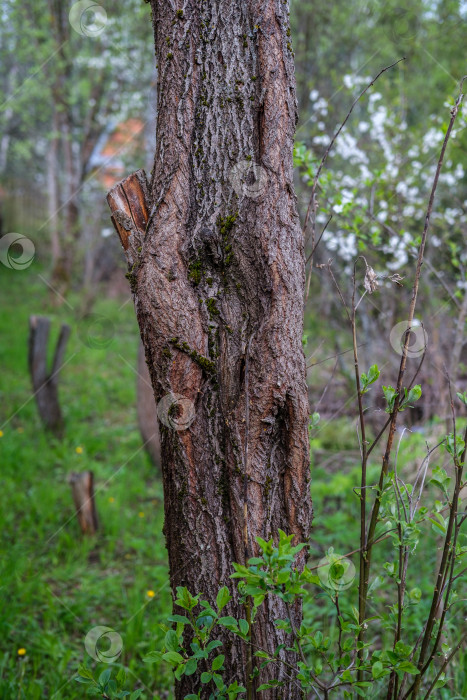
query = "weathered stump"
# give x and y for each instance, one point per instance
(45, 384)
(82, 487)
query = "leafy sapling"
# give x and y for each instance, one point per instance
(201, 655)
(105, 686)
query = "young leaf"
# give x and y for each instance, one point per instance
(223, 597)
(244, 627)
(191, 666)
(171, 641)
(173, 657)
(377, 670)
(85, 672)
(105, 676)
(390, 395)
(370, 378)
(217, 663)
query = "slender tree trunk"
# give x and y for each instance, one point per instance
(70, 176)
(218, 282)
(459, 340)
(53, 166)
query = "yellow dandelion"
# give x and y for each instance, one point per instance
(141, 514)
(21, 652)
(1, 433)
(111, 499)
(79, 450)
(150, 594)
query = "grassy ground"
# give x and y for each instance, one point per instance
(55, 585)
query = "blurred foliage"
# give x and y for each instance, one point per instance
(97, 72)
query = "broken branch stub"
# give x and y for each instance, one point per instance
(129, 204)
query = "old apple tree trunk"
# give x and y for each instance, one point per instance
(216, 266)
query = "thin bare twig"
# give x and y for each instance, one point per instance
(394, 414)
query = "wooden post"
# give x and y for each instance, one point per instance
(82, 488)
(45, 384)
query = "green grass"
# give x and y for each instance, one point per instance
(56, 585)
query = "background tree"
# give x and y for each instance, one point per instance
(75, 75)
(218, 282)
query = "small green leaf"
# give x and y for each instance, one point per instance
(315, 418)
(403, 650)
(191, 666)
(262, 654)
(173, 657)
(228, 621)
(105, 676)
(152, 657)
(438, 523)
(408, 667)
(85, 672)
(179, 618)
(377, 670)
(414, 393)
(370, 378)
(217, 662)
(244, 626)
(218, 681)
(223, 597)
(171, 641)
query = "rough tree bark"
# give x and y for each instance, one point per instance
(216, 266)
